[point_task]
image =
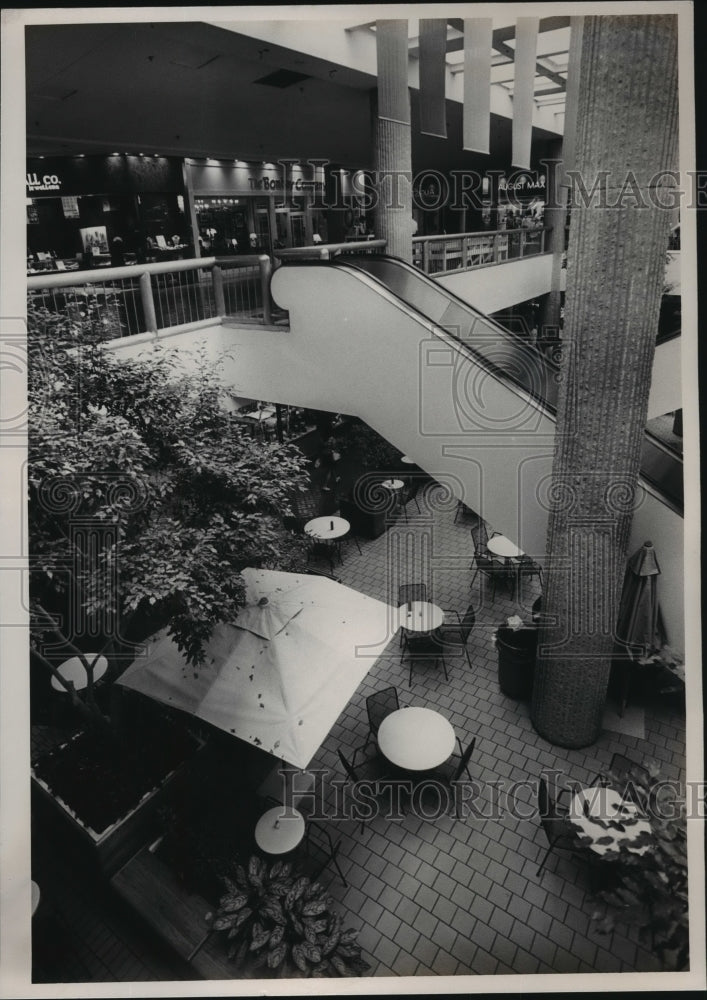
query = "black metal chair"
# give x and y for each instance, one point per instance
(464, 511)
(422, 647)
(378, 706)
(485, 565)
(480, 536)
(451, 772)
(456, 633)
(318, 850)
(630, 777)
(458, 763)
(411, 487)
(527, 568)
(372, 769)
(556, 826)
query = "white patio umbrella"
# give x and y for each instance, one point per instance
(282, 674)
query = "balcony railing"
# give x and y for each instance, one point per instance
(152, 298)
(464, 251)
(325, 251)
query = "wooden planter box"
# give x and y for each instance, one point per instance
(112, 847)
(367, 524)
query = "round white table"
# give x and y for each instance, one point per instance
(328, 528)
(279, 830)
(393, 484)
(603, 805)
(74, 670)
(503, 547)
(416, 739)
(407, 460)
(420, 616)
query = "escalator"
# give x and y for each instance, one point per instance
(471, 403)
(533, 370)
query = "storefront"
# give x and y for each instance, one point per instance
(92, 211)
(242, 207)
(521, 199)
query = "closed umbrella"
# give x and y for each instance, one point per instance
(640, 623)
(281, 675)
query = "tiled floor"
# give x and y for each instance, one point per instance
(443, 896)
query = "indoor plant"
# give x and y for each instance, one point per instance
(282, 923)
(650, 889)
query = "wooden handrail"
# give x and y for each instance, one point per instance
(483, 232)
(64, 279)
(323, 251)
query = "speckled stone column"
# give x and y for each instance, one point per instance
(392, 141)
(626, 135)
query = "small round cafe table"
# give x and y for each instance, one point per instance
(328, 528)
(279, 830)
(606, 807)
(74, 670)
(503, 547)
(420, 616)
(416, 739)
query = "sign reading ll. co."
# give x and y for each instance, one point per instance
(44, 182)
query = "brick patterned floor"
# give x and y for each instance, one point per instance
(443, 896)
(449, 896)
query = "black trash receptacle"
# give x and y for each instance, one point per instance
(516, 661)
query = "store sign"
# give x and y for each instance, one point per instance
(222, 178)
(277, 184)
(43, 182)
(524, 183)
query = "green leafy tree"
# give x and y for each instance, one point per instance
(145, 500)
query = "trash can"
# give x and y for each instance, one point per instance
(516, 661)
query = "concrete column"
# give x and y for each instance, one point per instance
(627, 128)
(555, 219)
(392, 141)
(558, 192)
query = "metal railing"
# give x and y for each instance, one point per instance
(325, 251)
(152, 298)
(464, 251)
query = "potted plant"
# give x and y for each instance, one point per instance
(516, 643)
(650, 889)
(283, 924)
